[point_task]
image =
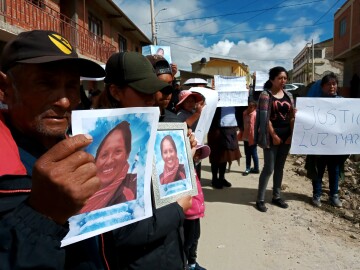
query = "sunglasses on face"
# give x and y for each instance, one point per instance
(167, 90)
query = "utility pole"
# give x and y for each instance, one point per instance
(153, 30)
(313, 59)
(308, 64)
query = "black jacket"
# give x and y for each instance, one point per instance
(29, 240)
(152, 243)
(169, 116)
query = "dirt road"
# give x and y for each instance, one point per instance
(237, 236)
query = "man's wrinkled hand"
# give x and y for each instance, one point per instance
(63, 179)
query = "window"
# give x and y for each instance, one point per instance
(342, 27)
(317, 53)
(39, 3)
(95, 25)
(122, 44)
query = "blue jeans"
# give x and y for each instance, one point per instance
(332, 164)
(251, 152)
(274, 157)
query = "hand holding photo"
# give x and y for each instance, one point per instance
(123, 147)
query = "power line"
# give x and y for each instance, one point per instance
(242, 12)
(252, 3)
(227, 56)
(202, 8)
(248, 31)
(327, 11)
(276, 5)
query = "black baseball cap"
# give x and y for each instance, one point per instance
(160, 64)
(42, 46)
(135, 70)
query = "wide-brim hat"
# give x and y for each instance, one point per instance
(135, 70)
(41, 46)
(184, 94)
(205, 150)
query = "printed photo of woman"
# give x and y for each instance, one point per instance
(111, 160)
(173, 171)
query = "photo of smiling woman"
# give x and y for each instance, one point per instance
(173, 171)
(111, 160)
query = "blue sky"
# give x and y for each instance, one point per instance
(259, 33)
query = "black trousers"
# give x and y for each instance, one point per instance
(198, 170)
(191, 238)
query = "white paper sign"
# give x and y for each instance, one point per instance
(123, 147)
(232, 91)
(207, 113)
(261, 78)
(326, 126)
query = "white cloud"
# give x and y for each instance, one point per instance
(268, 26)
(296, 28)
(207, 26)
(260, 50)
(222, 47)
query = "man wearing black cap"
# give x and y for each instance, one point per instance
(40, 75)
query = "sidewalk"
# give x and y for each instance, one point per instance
(236, 236)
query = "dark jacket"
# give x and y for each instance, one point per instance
(169, 116)
(29, 240)
(152, 243)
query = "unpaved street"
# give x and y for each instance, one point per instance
(237, 236)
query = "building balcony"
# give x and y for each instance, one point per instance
(31, 15)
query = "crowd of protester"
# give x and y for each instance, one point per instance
(46, 176)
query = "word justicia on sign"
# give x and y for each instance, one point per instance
(330, 117)
(326, 126)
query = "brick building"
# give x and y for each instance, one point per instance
(347, 45)
(97, 28)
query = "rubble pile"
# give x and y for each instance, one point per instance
(349, 187)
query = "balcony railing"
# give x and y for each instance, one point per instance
(30, 15)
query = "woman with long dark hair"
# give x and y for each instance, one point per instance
(111, 160)
(273, 131)
(173, 170)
